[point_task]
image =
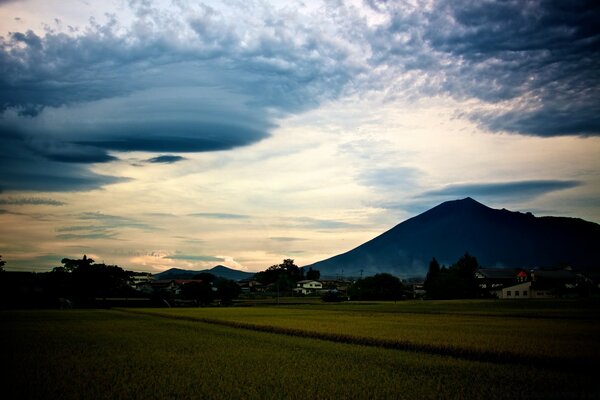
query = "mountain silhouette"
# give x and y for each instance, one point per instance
(498, 238)
(220, 271)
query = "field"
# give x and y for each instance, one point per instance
(353, 350)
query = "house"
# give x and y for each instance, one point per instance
(251, 286)
(494, 279)
(562, 281)
(308, 286)
(139, 279)
(526, 290)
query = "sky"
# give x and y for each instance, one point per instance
(154, 135)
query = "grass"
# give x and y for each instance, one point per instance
(540, 340)
(108, 354)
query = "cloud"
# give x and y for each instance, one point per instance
(26, 169)
(285, 239)
(219, 215)
(165, 159)
(321, 224)
(193, 80)
(20, 201)
(535, 58)
(543, 54)
(94, 235)
(519, 189)
(389, 178)
(114, 221)
(187, 257)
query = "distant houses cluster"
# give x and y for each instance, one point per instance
(501, 283)
(518, 283)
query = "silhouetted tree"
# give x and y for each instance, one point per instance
(456, 282)
(201, 292)
(432, 273)
(227, 290)
(2, 264)
(71, 265)
(285, 275)
(377, 287)
(313, 274)
(84, 279)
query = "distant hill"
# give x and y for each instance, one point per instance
(498, 238)
(219, 271)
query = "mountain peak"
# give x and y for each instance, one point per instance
(498, 238)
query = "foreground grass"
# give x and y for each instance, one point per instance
(114, 355)
(545, 339)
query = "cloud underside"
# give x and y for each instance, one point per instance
(520, 189)
(165, 159)
(203, 79)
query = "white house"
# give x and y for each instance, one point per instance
(524, 291)
(308, 286)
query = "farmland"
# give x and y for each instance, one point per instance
(353, 350)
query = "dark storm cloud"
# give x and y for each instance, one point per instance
(24, 168)
(165, 159)
(205, 83)
(521, 189)
(199, 79)
(544, 55)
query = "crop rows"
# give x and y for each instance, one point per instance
(115, 355)
(549, 343)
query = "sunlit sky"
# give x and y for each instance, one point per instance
(185, 134)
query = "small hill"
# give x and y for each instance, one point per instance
(498, 238)
(219, 271)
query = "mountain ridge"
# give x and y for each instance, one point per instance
(497, 237)
(219, 271)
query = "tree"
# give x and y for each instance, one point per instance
(201, 292)
(285, 275)
(432, 273)
(456, 282)
(84, 279)
(313, 274)
(2, 264)
(70, 265)
(377, 287)
(227, 290)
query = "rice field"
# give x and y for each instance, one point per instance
(215, 353)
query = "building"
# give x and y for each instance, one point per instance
(308, 286)
(526, 290)
(494, 279)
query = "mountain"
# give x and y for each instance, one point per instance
(498, 238)
(219, 271)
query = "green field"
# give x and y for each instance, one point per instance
(311, 351)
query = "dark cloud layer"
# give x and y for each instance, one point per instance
(149, 87)
(165, 159)
(520, 189)
(200, 79)
(21, 201)
(545, 53)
